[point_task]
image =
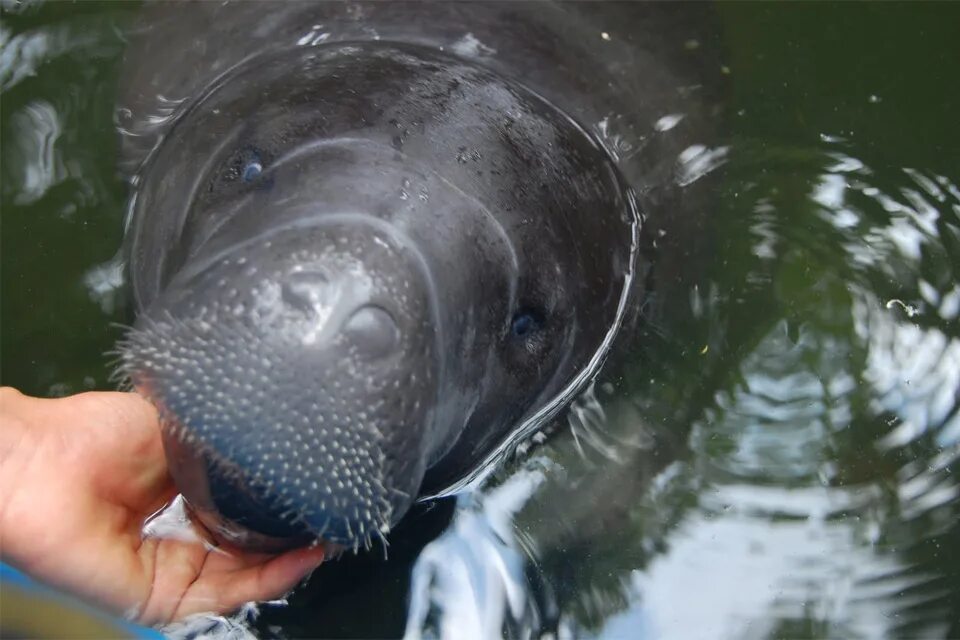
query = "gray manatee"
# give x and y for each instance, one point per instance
(372, 244)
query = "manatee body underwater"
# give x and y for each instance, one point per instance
(371, 243)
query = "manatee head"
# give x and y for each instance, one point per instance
(357, 267)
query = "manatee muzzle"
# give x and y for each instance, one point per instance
(296, 377)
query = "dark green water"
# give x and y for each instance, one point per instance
(775, 455)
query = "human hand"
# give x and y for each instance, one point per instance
(78, 477)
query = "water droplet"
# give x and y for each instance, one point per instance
(668, 122)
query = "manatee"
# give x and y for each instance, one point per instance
(372, 244)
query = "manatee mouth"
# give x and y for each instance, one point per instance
(296, 379)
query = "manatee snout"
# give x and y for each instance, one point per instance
(296, 376)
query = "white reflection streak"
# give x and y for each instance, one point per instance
(103, 282)
(470, 47)
(764, 228)
(37, 129)
(469, 579)
(950, 303)
(166, 111)
(20, 55)
(696, 161)
(616, 138)
(925, 492)
(847, 164)
(172, 523)
(830, 193)
(668, 122)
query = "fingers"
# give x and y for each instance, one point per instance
(221, 590)
(278, 575)
(172, 568)
(187, 578)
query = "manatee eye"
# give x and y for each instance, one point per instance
(245, 165)
(526, 322)
(251, 171)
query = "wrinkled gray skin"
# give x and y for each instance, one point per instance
(370, 240)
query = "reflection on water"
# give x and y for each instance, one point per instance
(61, 197)
(39, 168)
(469, 582)
(772, 453)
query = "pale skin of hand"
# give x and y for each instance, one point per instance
(78, 477)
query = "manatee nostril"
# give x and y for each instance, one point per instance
(373, 330)
(304, 290)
